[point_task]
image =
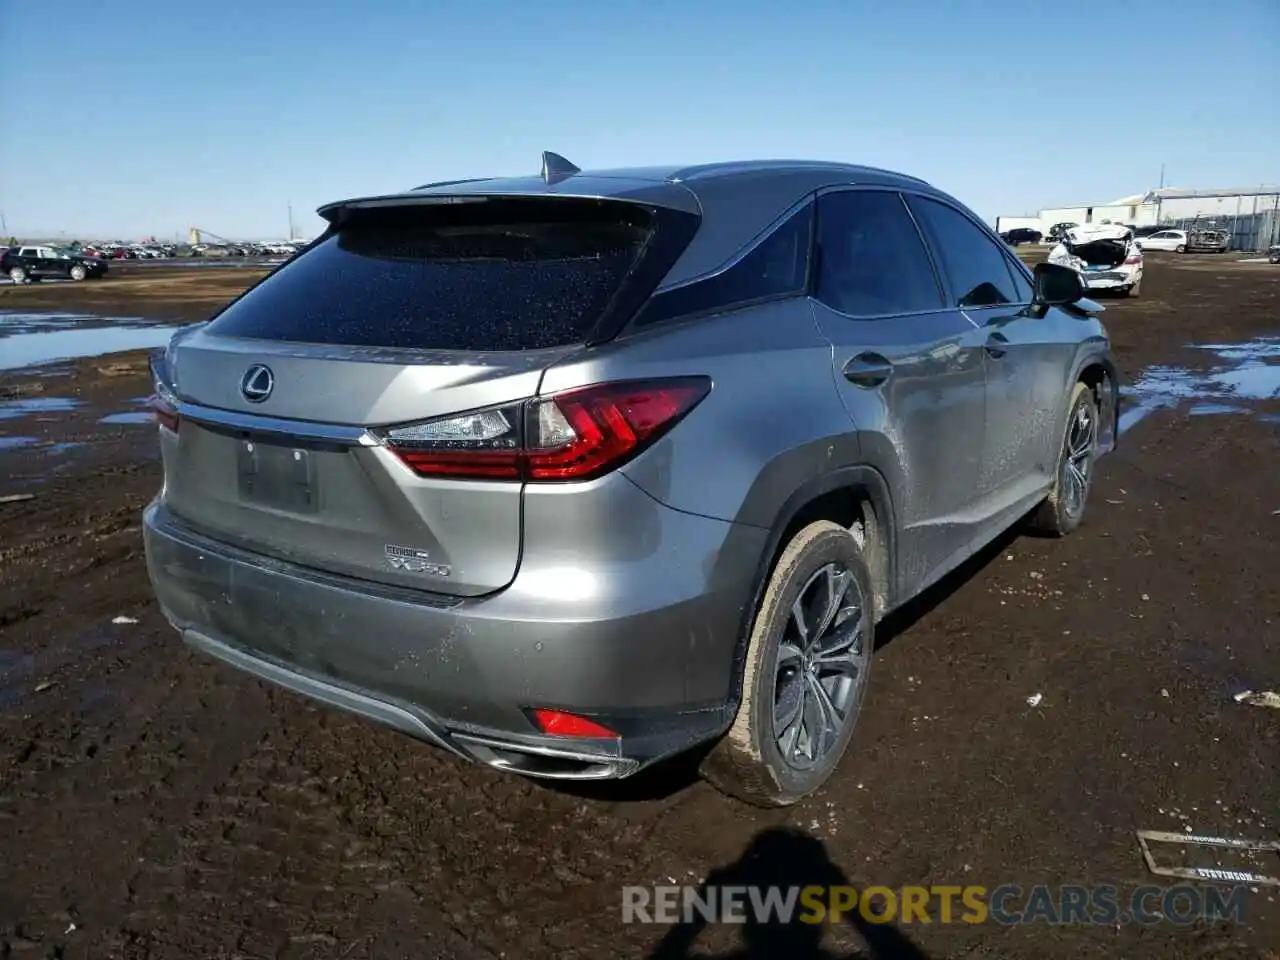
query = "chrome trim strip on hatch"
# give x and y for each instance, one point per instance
(299, 429)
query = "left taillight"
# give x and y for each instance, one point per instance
(164, 398)
(576, 435)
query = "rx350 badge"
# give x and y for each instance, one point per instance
(412, 560)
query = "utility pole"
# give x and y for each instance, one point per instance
(1162, 176)
(290, 237)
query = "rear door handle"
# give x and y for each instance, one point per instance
(868, 370)
(997, 345)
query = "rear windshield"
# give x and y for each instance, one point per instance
(478, 275)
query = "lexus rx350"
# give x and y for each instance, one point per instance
(571, 473)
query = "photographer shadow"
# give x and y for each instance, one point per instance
(786, 858)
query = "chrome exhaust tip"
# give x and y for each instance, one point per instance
(550, 763)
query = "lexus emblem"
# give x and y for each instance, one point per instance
(257, 383)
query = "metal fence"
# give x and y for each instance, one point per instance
(1256, 230)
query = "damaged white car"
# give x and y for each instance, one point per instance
(1105, 254)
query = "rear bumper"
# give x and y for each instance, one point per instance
(1116, 279)
(462, 673)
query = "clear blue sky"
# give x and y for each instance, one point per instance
(139, 117)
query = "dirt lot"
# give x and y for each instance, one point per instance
(173, 293)
(153, 804)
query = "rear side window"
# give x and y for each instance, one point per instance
(975, 267)
(777, 266)
(509, 274)
(871, 259)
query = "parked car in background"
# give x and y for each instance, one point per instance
(35, 263)
(1187, 241)
(1020, 235)
(1106, 255)
(1273, 255)
(578, 477)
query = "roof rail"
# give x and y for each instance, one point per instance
(899, 173)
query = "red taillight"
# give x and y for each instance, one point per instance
(558, 723)
(1133, 258)
(165, 412)
(575, 435)
(476, 464)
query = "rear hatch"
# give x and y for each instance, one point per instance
(401, 314)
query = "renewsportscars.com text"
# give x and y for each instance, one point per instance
(1008, 904)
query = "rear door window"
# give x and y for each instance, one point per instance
(975, 266)
(508, 274)
(871, 259)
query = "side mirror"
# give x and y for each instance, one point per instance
(1056, 285)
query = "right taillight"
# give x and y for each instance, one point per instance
(576, 435)
(164, 399)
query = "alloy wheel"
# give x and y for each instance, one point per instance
(821, 666)
(1077, 464)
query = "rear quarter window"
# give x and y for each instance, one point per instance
(478, 275)
(776, 266)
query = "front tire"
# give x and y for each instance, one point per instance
(805, 677)
(1063, 510)
(78, 273)
(18, 275)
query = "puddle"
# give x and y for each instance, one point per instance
(21, 673)
(1203, 409)
(17, 443)
(15, 672)
(133, 416)
(13, 409)
(1246, 372)
(37, 338)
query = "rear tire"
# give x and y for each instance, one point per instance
(1063, 510)
(1180, 248)
(814, 626)
(1134, 290)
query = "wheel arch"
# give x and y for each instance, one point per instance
(848, 496)
(1098, 371)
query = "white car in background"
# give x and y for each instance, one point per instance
(1180, 241)
(1105, 254)
(1171, 240)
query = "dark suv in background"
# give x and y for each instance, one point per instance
(1021, 235)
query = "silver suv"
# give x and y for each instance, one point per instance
(572, 473)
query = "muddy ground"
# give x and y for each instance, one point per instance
(154, 804)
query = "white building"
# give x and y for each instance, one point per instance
(1252, 214)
